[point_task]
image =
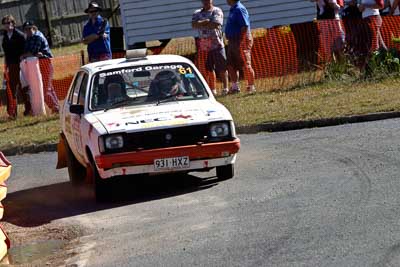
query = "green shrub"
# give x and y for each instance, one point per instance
(383, 63)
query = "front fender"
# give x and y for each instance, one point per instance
(61, 152)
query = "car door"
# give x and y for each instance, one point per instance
(77, 120)
(67, 116)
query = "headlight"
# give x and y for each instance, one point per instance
(114, 141)
(220, 129)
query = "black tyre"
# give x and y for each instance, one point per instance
(77, 172)
(225, 172)
(101, 186)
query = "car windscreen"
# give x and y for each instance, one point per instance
(139, 85)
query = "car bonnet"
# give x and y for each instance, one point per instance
(130, 119)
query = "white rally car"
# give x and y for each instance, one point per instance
(143, 115)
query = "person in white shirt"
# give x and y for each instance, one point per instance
(370, 14)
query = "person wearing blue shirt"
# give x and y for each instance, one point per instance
(96, 34)
(240, 42)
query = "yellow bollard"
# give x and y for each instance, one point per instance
(5, 172)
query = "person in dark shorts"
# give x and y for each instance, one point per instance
(211, 56)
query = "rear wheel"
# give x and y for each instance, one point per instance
(76, 171)
(225, 172)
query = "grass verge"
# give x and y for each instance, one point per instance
(320, 100)
(25, 131)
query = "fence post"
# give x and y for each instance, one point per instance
(82, 57)
(48, 22)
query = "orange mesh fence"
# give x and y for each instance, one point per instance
(65, 68)
(390, 29)
(118, 54)
(281, 57)
(285, 56)
(45, 80)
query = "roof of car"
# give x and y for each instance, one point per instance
(123, 62)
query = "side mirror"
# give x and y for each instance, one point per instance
(76, 109)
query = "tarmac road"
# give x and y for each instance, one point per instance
(314, 197)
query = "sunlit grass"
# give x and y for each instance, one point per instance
(321, 100)
(68, 50)
(293, 103)
(28, 131)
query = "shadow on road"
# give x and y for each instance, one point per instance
(37, 206)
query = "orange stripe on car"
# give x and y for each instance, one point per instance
(195, 152)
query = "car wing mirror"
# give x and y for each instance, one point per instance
(76, 109)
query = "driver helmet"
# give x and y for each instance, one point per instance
(168, 83)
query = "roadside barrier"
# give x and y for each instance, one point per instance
(281, 57)
(5, 171)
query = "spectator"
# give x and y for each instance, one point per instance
(351, 10)
(13, 47)
(352, 19)
(96, 34)
(394, 8)
(370, 14)
(386, 8)
(238, 33)
(328, 9)
(331, 27)
(37, 46)
(211, 56)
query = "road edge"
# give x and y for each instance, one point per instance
(251, 129)
(316, 123)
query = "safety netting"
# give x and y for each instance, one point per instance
(281, 57)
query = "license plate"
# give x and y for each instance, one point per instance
(171, 163)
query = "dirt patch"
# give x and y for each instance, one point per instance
(65, 236)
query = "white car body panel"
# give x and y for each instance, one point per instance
(82, 132)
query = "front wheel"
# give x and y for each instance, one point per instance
(76, 171)
(225, 172)
(101, 186)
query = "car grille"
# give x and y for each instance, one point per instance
(171, 137)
